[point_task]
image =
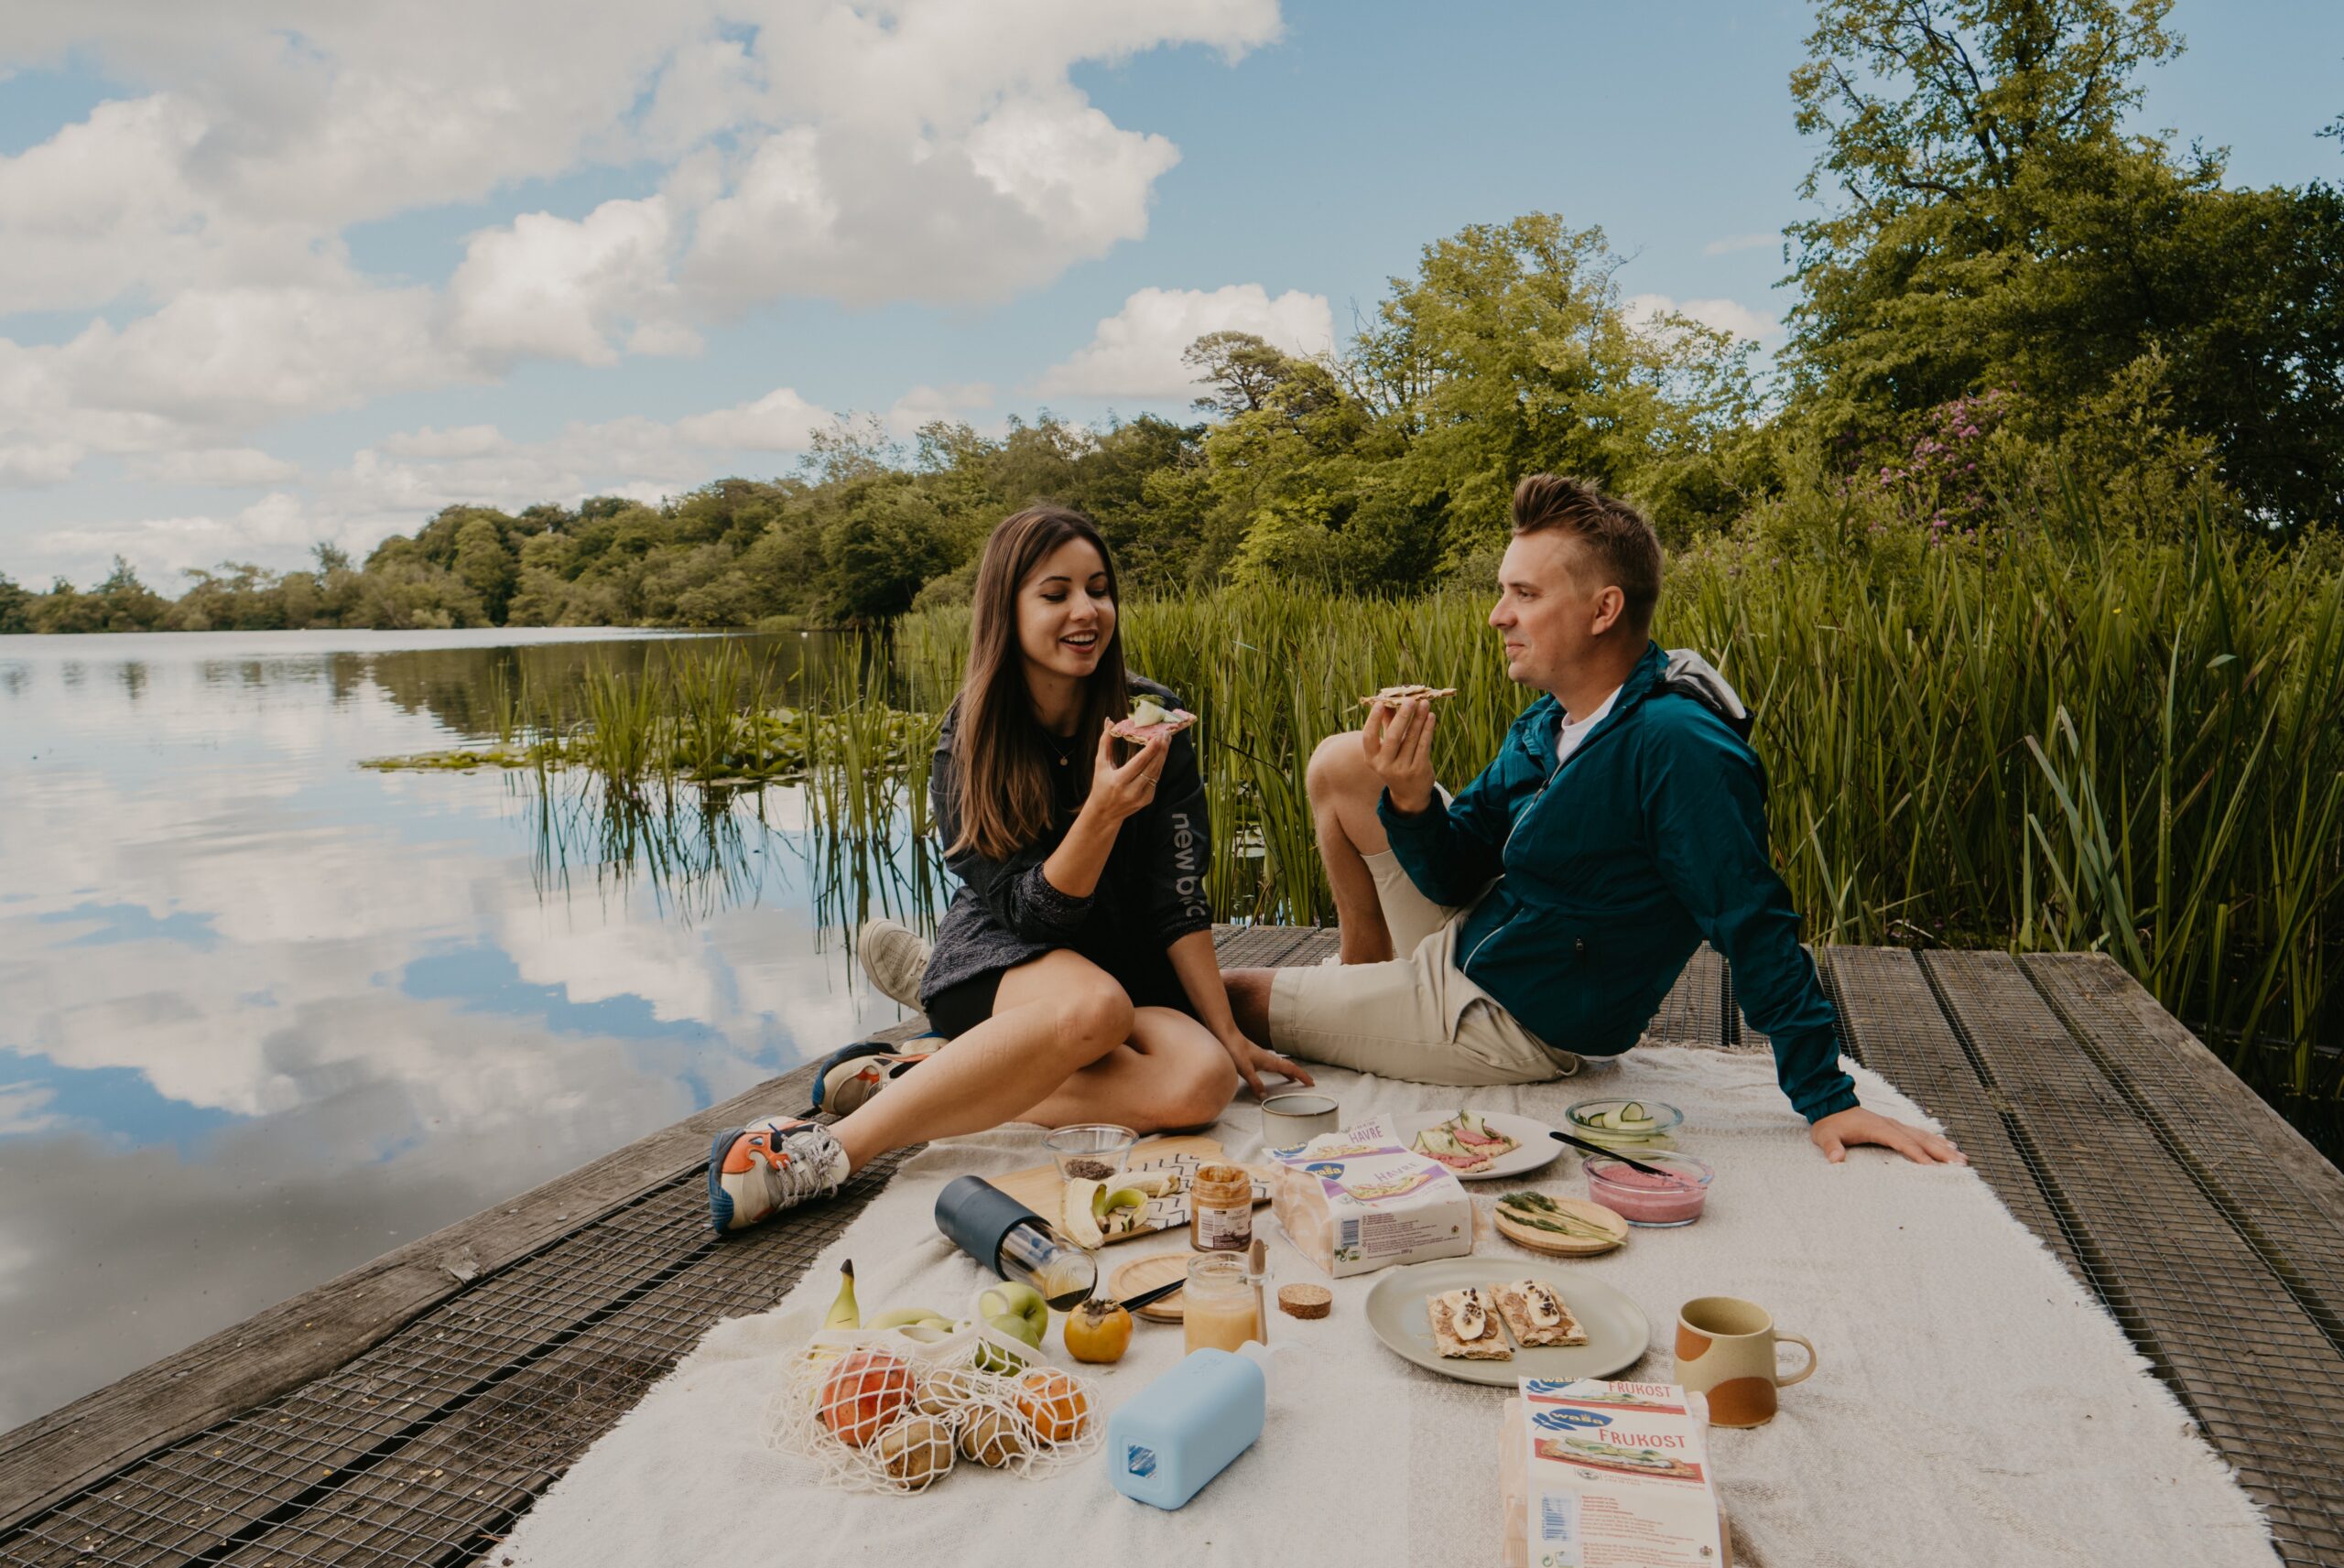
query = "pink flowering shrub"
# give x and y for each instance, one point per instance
(1944, 482)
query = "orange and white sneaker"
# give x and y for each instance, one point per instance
(755, 1172)
(851, 1075)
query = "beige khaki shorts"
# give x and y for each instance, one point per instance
(1416, 1017)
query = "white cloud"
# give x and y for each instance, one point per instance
(462, 441)
(1136, 351)
(1730, 243)
(925, 405)
(24, 1108)
(229, 467)
(1725, 314)
(780, 421)
(547, 287)
(923, 150)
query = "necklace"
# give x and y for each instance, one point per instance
(1064, 753)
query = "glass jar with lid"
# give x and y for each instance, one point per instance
(1220, 1209)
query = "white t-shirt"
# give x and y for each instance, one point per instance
(1574, 731)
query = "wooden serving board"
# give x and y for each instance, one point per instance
(1145, 1275)
(1555, 1246)
(1039, 1189)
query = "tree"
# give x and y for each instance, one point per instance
(1993, 228)
(483, 564)
(15, 607)
(878, 554)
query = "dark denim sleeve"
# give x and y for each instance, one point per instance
(1706, 812)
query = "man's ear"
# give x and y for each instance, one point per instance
(1610, 607)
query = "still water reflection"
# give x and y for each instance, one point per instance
(264, 1014)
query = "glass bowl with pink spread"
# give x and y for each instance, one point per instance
(1657, 1202)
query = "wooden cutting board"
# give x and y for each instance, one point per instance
(1039, 1189)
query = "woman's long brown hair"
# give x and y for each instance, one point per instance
(1004, 756)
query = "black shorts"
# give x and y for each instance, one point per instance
(958, 1008)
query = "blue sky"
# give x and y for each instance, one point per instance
(308, 276)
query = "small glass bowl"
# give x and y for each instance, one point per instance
(1661, 1134)
(1088, 1147)
(1654, 1202)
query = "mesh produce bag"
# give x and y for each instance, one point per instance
(884, 1411)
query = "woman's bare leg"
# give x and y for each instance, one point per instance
(1053, 1017)
(1064, 1045)
(1172, 1072)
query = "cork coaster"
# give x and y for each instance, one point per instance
(1305, 1301)
(1145, 1275)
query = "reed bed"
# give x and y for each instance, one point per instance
(2118, 746)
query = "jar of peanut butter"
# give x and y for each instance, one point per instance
(1221, 1209)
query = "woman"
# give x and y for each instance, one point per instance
(1073, 976)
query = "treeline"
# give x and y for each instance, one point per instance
(2011, 299)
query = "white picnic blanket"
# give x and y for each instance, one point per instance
(1972, 1405)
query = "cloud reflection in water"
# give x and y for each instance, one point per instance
(264, 1015)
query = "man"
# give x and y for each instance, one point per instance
(1547, 909)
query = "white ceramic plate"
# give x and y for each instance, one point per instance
(1617, 1332)
(1534, 1148)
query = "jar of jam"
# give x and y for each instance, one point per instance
(1221, 1209)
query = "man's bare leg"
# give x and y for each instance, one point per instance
(1343, 793)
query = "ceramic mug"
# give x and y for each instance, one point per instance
(1296, 1115)
(1725, 1349)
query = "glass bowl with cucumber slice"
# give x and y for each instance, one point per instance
(1628, 1125)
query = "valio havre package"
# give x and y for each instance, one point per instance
(1359, 1199)
(1594, 1474)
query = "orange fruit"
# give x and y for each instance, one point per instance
(1054, 1403)
(863, 1394)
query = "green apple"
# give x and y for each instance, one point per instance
(1016, 1309)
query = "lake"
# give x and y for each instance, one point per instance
(266, 1014)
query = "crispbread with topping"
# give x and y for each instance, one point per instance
(1392, 695)
(1519, 1302)
(1452, 1310)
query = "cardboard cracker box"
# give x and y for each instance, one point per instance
(1359, 1199)
(1609, 1474)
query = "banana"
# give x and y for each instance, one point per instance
(844, 1313)
(905, 1317)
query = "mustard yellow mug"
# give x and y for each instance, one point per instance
(1725, 1349)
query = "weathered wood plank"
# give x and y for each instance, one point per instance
(2256, 1369)
(2265, 1169)
(321, 1329)
(1890, 1013)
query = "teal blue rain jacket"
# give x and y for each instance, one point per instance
(1603, 875)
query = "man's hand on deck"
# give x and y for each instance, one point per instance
(1843, 1129)
(1253, 1061)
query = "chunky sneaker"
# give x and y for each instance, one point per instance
(895, 956)
(755, 1172)
(851, 1075)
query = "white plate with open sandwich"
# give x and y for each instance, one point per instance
(1400, 1308)
(1520, 1144)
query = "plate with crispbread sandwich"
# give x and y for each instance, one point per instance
(1492, 1320)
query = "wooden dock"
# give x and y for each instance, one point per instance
(409, 1412)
